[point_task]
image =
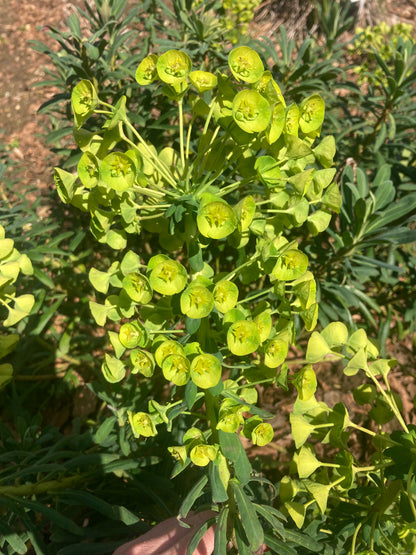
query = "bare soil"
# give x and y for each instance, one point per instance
(21, 68)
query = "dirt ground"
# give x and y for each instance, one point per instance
(21, 68)
(21, 133)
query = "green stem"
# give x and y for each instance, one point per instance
(3, 302)
(260, 294)
(239, 268)
(211, 411)
(372, 468)
(40, 377)
(409, 490)
(373, 527)
(390, 402)
(181, 141)
(102, 112)
(357, 427)
(149, 192)
(153, 206)
(354, 538)
(27, 490)
(153, 158)
(209, 116)
(234, 186)
(351, 501)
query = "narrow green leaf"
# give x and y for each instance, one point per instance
(13, 539)
(105, 429)
(219, 491)
(54, 516)
(249, 519)
(243, 545)
(381, 137)
(220, 541)
(265, 512)
(199, 534)
(303, 540)
(278, 546)
(114, 512)
(192, 496)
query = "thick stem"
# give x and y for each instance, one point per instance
(211, 407)
(27, 490)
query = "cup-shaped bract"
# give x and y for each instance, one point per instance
(305, 382)
(251, 111)
(155, 260)
(84, 99)
(277, 123)
(230, 415)
(275, 352)
(113, 369)
(167, 348)
(312, 113)
(245, 210)
(88, 170)
(146, 73)
(193, 436)
(262, 434)
(137, 287)
(175, 368)
(291, 265)
(118, 171)
(335, 334)
(243, 337)
(203, 80)
(168, 277)
(292, 120)
(192, 349)
(264, 324)
(268, 171)
(229, 421)
(141, 424)
(196, 301)
(173, 67)
(305, 290)
(132, 335)
(216, 220)
(205, 371)
(202, 454)
(268, 87)
(245, 64)
(142, 362)
(136, 157)
(179, 453)
(225, 295)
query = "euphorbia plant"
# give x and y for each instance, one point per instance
(214, 308)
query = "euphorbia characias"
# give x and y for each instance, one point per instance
(212, 309)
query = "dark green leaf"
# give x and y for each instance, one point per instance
(249, 519)
(105, 429)
(219, 492)
(232, 448)
(199, 534)
(192, 496)
(220, 545)
(277, 546)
